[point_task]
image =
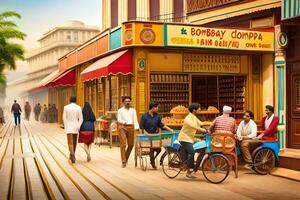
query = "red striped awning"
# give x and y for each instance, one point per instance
(117, 63)
(66, 78)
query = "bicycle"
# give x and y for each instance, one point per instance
(214, 165)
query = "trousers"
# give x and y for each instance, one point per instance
(126, 135)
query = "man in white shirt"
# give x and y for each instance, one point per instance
(72, 118)
(128, 123)
(246, 134)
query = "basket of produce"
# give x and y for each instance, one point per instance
(171, 121)
(179, 112)
(210, 110)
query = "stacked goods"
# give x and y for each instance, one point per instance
(179, 112)
(172, 121)
(211, 110)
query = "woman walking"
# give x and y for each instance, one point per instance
(87, 129)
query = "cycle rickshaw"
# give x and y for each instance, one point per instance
(264, 157)
(214, 165)
(144, 142)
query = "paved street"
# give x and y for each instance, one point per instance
(34, 165)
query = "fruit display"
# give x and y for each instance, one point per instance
(179, 110)
(172, 121)
(210, 110)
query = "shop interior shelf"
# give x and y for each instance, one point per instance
(167, 101)
(169, 82)
(178, 91)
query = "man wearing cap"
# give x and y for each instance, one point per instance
(224, 123)
(151, 124)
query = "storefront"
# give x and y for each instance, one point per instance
(179, 64)
(58, 86)
(176, 65)
(289, 68)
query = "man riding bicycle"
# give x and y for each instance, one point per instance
(191, 125)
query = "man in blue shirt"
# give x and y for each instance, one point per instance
(151, 124)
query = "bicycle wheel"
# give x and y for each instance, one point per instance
(143, 163)
(171, 164)
(215, 168)
(264, 161)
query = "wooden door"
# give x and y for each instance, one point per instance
(294, 108)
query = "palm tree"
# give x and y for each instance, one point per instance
(10, 52)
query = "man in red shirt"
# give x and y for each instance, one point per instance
(269, 124)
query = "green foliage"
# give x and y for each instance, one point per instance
(9, 52)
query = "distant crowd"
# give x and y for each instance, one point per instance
(45, 114)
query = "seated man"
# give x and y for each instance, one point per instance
(151, 123)
(269, 124)
(224, 123)
(246, 132)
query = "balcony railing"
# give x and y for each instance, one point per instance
(170, 17)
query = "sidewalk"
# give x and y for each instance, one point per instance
(34, 165)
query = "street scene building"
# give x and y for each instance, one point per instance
(43, 60)
(185, 68)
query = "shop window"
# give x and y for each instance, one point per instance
(86, 92)
(114, 93)
(114, 13)
(218, 91)
(69, 35)
(125, 85)
(169, 90)
(93, 94)
(154, 10)
(297, 94)
(100, 97)
(107, 94)
(178, 11)
(256, 64)
(131, 10)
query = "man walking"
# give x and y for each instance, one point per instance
(128, 123)
(72, 118)
(37, 111)
(16, 110)
(27, 109)
(151, 124)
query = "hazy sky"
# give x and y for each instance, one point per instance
(39, 16)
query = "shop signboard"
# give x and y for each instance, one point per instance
(142, 34)
(217, 38)
(211, 63)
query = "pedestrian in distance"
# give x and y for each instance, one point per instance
(128, 124)
(44, 114)
(27, 109)
(16, 110)
(87, 129)
(49, 113)
(55, 113)
(2, 119)
(72, 119)
(37, 111)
